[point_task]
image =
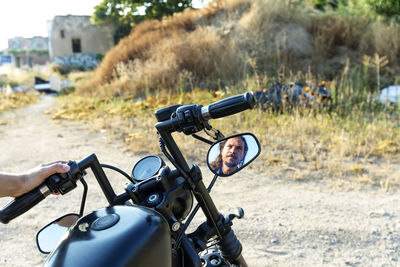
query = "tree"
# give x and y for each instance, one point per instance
(387, 8)
(125, 14)
(321, 4)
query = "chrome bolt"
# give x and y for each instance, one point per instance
(153, 198)
(175, 227)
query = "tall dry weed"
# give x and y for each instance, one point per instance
(332, 31)
(212, 47)
(136, 46)
(200, 58)
(177, 52)
(387, 41)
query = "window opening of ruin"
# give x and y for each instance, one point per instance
(62, 34)
(76, 46)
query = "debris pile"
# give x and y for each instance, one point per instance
(293, 94)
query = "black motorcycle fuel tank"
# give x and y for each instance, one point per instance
(115, 236)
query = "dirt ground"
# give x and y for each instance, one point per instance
(286, 223)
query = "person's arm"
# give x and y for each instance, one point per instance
(15, 185)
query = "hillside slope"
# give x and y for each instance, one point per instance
(228, 41)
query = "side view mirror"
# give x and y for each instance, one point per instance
(48, 237)
(232, 154)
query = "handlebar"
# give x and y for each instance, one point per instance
(23, 203)
(193, 118)
(228, 106)
(55, 183)
(188, 119)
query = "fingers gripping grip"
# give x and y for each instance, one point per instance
(21, 205)
(230, 105)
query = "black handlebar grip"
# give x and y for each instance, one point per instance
(228, 106)
(21, 204)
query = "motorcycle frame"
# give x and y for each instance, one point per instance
(200, 191)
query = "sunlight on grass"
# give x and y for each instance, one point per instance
(323, 145)
(16, 100)
(163, 63)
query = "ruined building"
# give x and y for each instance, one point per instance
(27, 51)
(74, 40)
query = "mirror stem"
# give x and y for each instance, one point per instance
(202, 139)
(85, 190)
(212, 183)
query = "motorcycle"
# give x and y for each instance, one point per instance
(147, 224)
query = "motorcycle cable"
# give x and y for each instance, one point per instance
(170, 158)
(163, 149)
(117, 170)
(217, 135)
(191, 216)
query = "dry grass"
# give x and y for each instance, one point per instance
(161, 55)
(387, 42)
(220, 45)
(131, 121)
(334, 30)
(16, 100)
(300, 145)
(15, 76)
(235, 46)
(25, 77)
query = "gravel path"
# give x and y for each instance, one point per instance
(285, 223)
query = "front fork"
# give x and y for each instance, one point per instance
(215, 221)
(228, 245)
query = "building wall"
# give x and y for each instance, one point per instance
(34, 43)
(28, 51)
(30, 59)
(90, 38)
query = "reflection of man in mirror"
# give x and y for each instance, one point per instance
(232, 154)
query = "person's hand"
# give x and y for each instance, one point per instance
(15, 185)
(37, 175)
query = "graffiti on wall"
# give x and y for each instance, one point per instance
(87, 60)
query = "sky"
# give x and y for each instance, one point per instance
(28, 18)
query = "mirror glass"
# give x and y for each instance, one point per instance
(232, 154)
(48, 237)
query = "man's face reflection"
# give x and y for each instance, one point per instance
(232, 154)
